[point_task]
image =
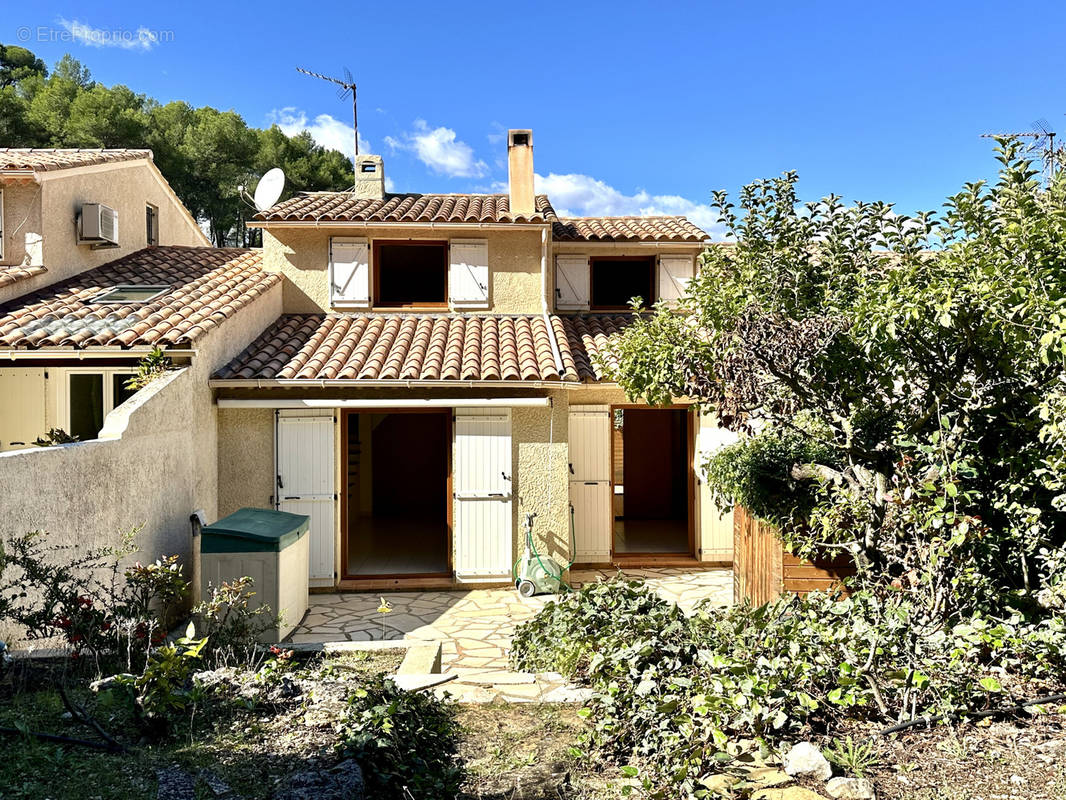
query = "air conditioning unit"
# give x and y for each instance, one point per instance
(98, 225)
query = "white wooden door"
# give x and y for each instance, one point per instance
(590, 482)
(306, 484)
(483, 531)
(22, 407)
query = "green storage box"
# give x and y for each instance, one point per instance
(272, 548)
(254, 530)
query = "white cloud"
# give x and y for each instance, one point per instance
(123, 38)
(439, 150)
(576, 195)
(325, 129)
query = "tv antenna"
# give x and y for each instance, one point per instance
(346, 86)
(1042, 143)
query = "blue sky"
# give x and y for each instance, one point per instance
(635, 107)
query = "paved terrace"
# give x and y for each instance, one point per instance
(475, 626)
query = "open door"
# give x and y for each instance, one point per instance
(484, 531)
(306, 484)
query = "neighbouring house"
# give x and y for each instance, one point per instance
(79, 308)
(415, 372)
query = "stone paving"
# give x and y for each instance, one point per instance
(475, 627)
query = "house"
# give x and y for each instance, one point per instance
(434, 377)
(415, 372)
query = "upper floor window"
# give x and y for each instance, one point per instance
(413, 273)
(151, 224)
(616, 280)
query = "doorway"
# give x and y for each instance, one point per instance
(397, 493)
(652, 481)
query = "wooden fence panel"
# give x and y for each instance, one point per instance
(762, 570)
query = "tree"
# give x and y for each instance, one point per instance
(18, 63)
(917, 374)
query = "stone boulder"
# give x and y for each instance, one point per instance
(806, 760)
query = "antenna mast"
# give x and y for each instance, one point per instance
(347, 85)
(1043, 143)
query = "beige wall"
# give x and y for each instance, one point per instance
(154, 464)
(245, 458)
(302, 255)
(126, 187)
(22, 219)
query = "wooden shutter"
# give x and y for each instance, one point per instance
(572, 283)
(590, 481)
(481, 480)
(468, 275)
(715, 527)
(674, 274)
(305, 456)
(349, 272)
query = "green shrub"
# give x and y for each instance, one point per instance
(681, 697)
(233, 628)
(756, 472)
(404, 741)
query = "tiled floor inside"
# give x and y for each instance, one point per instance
(475, 626)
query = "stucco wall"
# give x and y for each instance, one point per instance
(126, 187)
(302, 255)
(22, 217)
(245, 458)
(154, 464)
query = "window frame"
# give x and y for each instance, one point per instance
(159, 289)
(108, 397)
(652, 262)
(151, 212)
(375, 269)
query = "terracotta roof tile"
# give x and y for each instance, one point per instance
(207, 286)
(626, 229)
(10, 275)
(408, 347)
(583, 338)
(22, 159)
(345, 207)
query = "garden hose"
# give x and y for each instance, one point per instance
(536, 554)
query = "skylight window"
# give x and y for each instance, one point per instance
(130, 294)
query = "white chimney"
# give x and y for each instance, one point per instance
(369, 178)
(520, 171)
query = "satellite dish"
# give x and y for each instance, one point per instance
(269, 189)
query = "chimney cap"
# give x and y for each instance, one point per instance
(520, 137)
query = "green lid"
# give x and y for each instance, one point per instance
(253, 530)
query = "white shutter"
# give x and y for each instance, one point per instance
(349, 272)
(572, 283)
(590, 482)
(483, 529)
(22, 407)
(468, 276)
(715, 528)
(306, 485)
(674, 274)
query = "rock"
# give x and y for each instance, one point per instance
(788, 793)
(807, 760)
(765, 777)
(851, 789)
(110, 682)
(341, 782)
(567, 694)
(719, 784)
(174, 783)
